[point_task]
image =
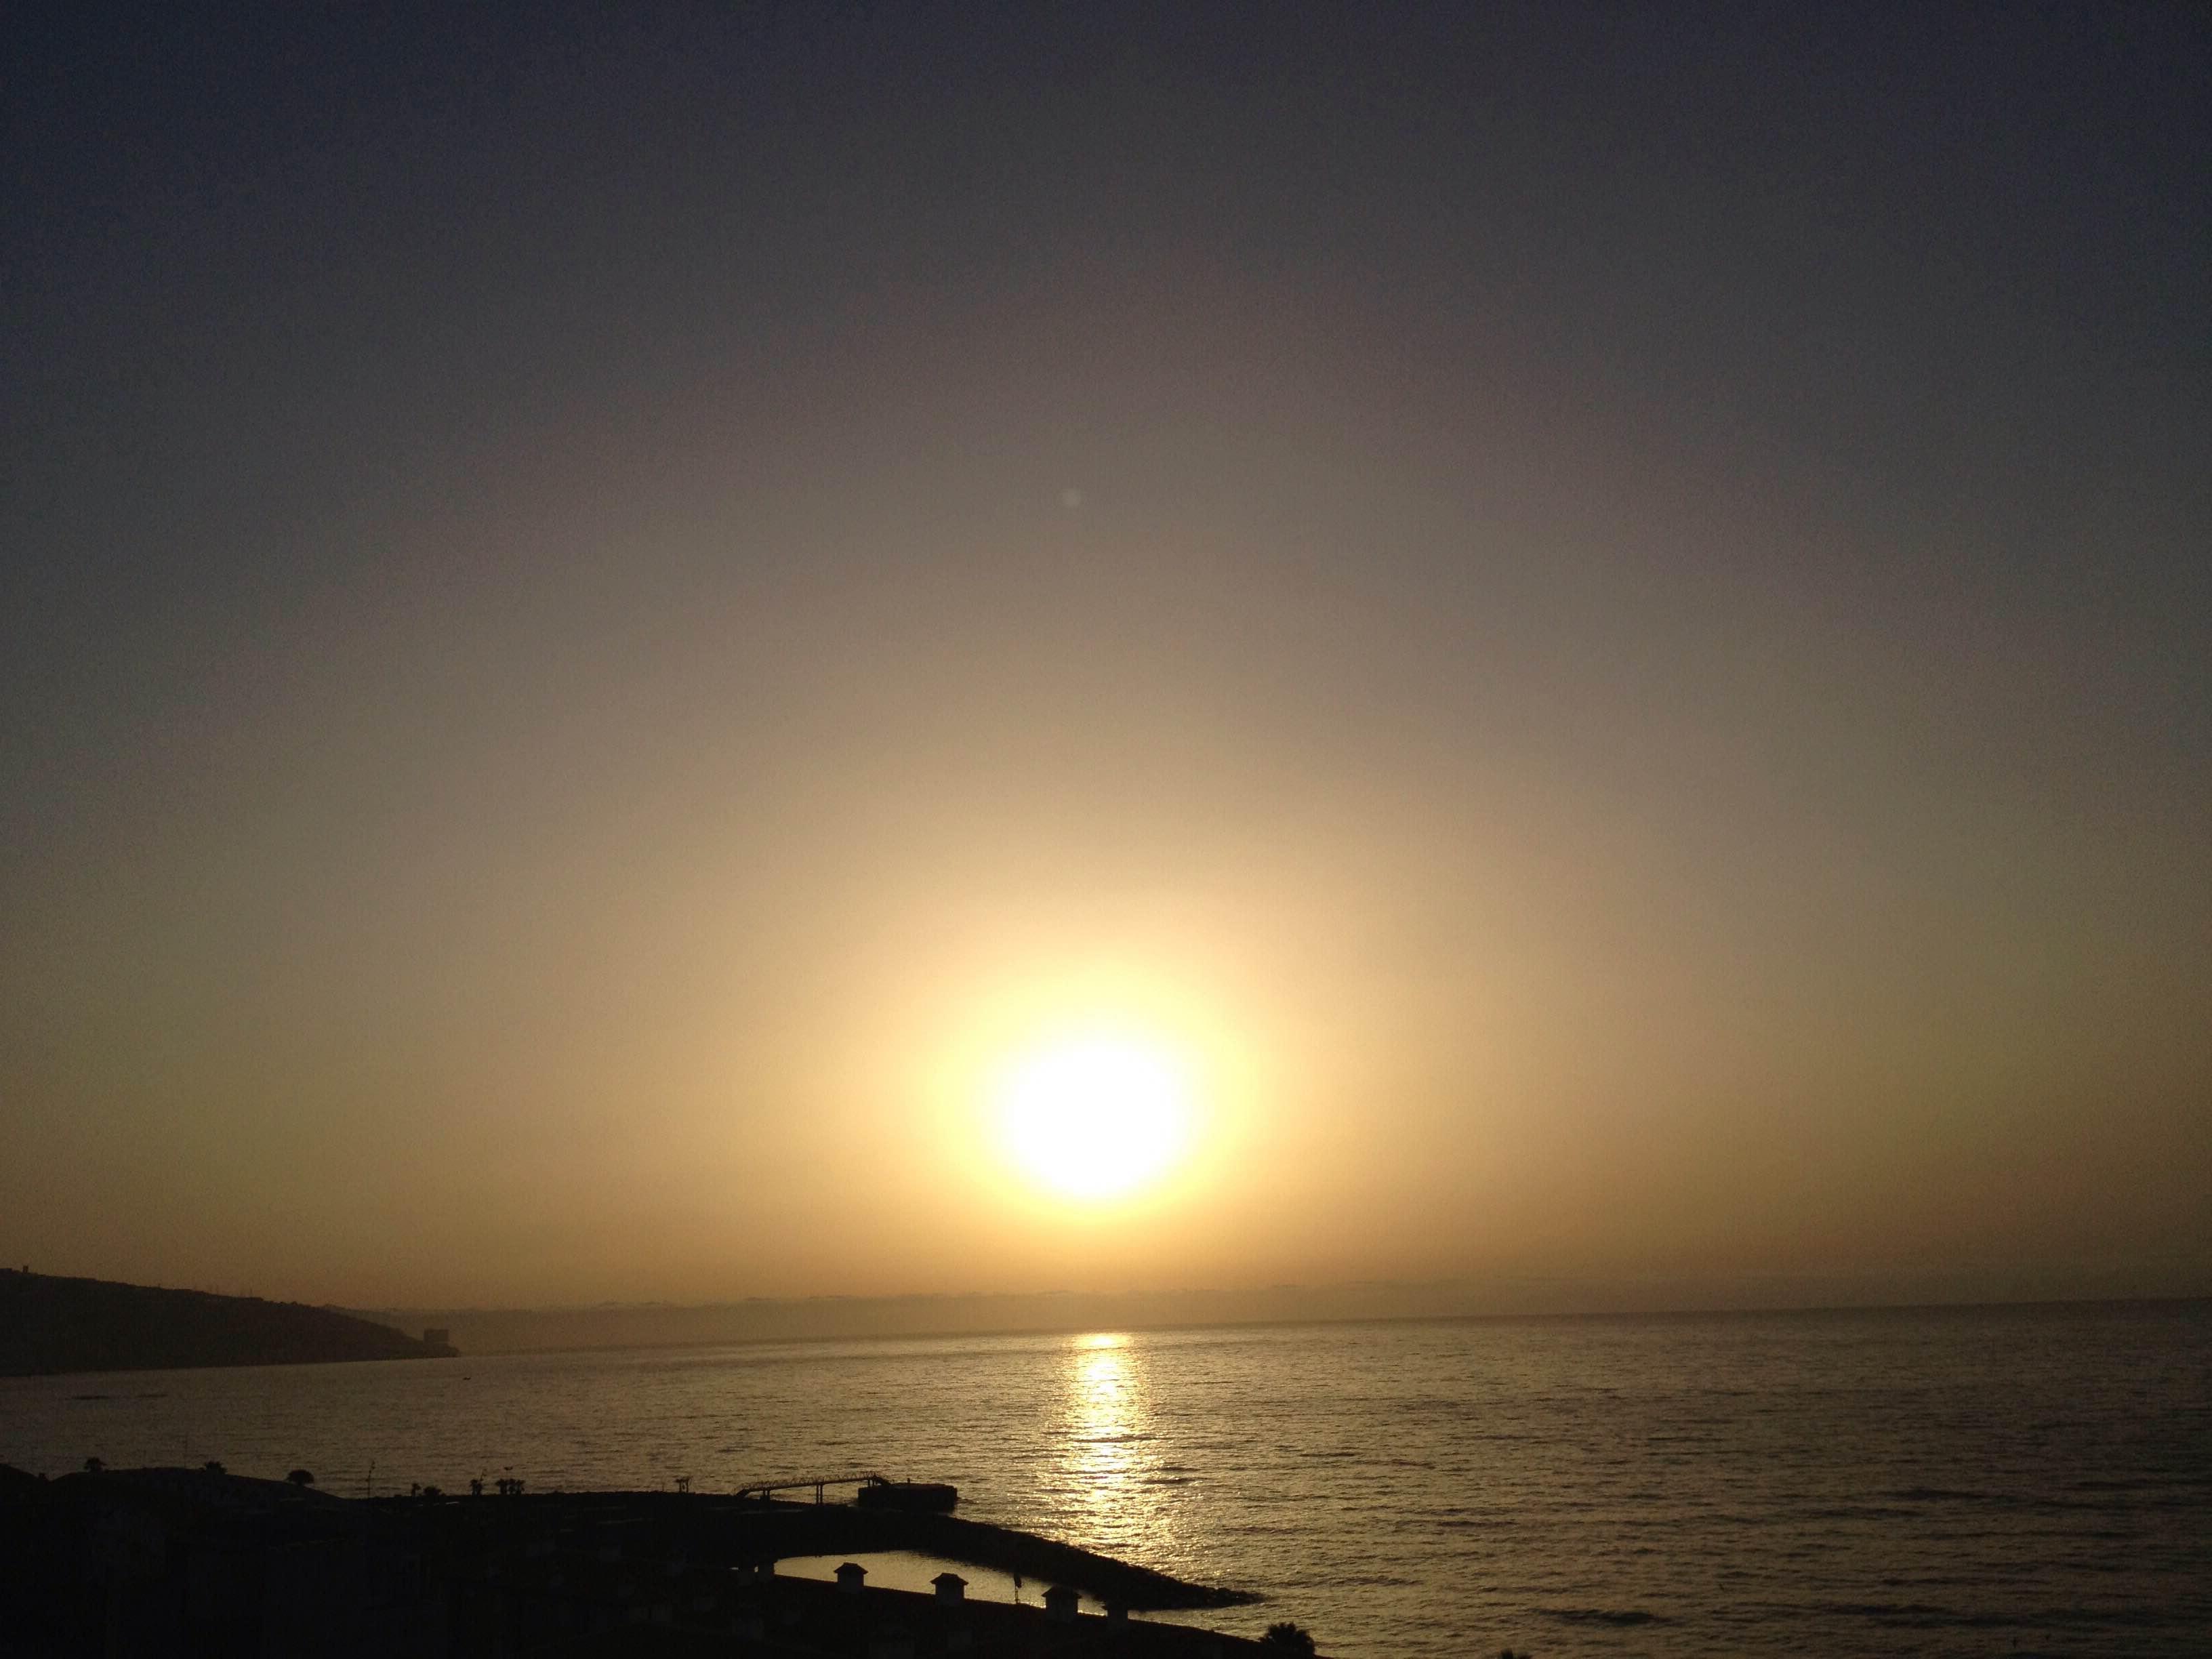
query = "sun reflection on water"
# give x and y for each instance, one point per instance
(1108, 1449)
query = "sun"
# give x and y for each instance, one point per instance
(1095, 1118)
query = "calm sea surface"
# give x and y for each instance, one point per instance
(1977, 1481)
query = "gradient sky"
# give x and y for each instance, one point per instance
(1602, 614)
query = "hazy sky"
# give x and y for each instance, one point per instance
(1600, 618)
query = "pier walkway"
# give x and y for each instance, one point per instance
(818, 1482)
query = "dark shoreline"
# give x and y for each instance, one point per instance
(177, 1561)
(744, 1532)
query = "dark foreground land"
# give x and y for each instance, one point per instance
(50, 1324)
(194, 1561)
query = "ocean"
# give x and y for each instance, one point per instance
(1958, 1481)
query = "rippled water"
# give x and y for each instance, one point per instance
(1972, 1481)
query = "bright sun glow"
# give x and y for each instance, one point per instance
(1095, 1118)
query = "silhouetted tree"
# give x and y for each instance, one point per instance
(1289, 1637)
(212, 1466)
(300, 1477)
(94, 1465)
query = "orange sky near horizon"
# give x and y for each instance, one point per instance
(1600, 634)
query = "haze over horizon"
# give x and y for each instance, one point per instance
(680, 655)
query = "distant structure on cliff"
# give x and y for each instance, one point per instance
(50, 1324)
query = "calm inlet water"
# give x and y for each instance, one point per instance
(1986, 1481)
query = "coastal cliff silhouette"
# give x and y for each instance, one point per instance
(50, 1324)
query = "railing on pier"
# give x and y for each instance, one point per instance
(764, 1489)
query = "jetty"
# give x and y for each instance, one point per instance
(749, 1532)
(174, 1561)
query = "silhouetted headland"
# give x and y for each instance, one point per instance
(50, 1324)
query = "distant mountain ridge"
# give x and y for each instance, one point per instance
(849, 1318)
(50, 1324)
